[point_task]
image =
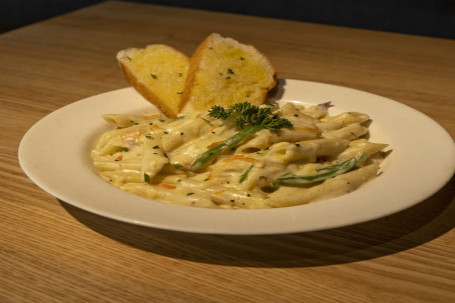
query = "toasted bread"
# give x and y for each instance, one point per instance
(158, 73)
(224, 71)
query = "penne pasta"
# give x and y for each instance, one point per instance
(204, 160)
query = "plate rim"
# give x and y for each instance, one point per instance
(292, 213)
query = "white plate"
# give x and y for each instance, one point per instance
(54, 153)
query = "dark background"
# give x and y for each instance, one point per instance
(435, 18)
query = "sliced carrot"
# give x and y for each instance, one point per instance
(169, 186)
(214, 144)
(133, 135)
(314, 130)
(240, 158)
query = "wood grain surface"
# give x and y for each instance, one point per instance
(53, 252)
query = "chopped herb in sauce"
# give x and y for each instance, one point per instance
(208, 121)
(178, 118)
(245, 174)
(177, 165)
(146, 178)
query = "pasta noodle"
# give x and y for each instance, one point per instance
(319, 157)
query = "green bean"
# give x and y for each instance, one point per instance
(327, 172)
(210, 155)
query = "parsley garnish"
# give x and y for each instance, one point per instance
(246, 114)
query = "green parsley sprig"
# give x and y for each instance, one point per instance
(246, 114)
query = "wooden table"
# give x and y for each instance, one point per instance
(53, 252)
